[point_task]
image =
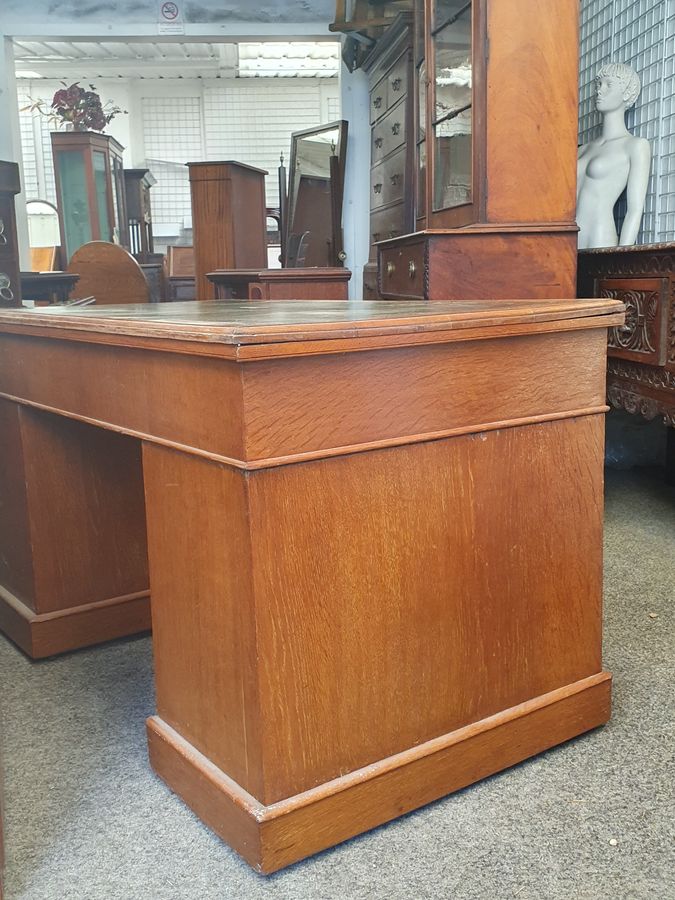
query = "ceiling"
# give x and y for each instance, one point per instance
(119, 59)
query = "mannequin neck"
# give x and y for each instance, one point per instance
(614, 124)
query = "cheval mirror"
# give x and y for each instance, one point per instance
(313, 229)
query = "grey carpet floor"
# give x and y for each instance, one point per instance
(86, 820)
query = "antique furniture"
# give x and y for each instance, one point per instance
(363, 596)
(43, 259)
(313, 227)
(392, 145)
(137, 184)
(89, 177)
(108, 273)
(495, 154)
(155, 275)
(10, 285)
(229, 219)
(180, 273)
(282, 284)
(48, 287)
(44, 236)
(641, 353)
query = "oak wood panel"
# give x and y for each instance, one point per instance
(532, 111)
(379, 642)
(16, 563)
(128, 388)
(200, 555)
(270, 838)
(442, 388)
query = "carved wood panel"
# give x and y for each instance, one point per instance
(644, 336)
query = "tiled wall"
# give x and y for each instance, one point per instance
(640, 33)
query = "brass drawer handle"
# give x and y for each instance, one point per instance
(377, 188)
(396, 128)
(412, 269)
(391, 268)
(396, 84)
(377, 102)
(378, 142)
(395, 179)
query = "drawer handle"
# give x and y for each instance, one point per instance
(396, 84)
(395, 180)
(377, 188)
(3, 236)
(391, 268)
(396, 128)
(378, 142)
(377, 102)
(625, 328)
(412, 268)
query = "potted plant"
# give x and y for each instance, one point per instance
(78, 108)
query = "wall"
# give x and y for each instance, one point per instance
(640, 33)
(174, 121)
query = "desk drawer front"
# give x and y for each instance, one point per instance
(387, 223)
(397, 81)
(644, 337)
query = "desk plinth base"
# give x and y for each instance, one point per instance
(271, 837)
(45, 634)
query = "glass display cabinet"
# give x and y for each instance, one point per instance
(495, 137)
(90, 190)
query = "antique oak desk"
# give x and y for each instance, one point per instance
(374, 537)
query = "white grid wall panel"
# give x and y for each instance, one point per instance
(667, 175)
(172, 131)
(251, 120)
(634, 32)
(30, 180)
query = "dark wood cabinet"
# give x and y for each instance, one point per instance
(229, 219)
(10, 282)
(90, 191)
(641, 353)
(493, 150)
(137, 184)
(390, 74)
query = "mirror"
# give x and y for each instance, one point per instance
(44, 235)
(313, 232)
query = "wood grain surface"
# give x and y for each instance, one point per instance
(109, 273)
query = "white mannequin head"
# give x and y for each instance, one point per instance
(616, 86)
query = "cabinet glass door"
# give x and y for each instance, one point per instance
(451, 113)
(74, 201)
(101, 177)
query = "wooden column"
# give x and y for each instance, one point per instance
(228, 219)
(10, 284)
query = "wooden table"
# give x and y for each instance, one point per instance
(318, 283)
(374, 536)
(47, 287)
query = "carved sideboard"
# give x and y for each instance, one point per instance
(641, 353)
(10, 285)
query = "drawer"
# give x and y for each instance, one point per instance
(389, 133)
(387, 223)
(387, 180)
(401, 271)
(397, 81)
(378, 100)
(645, 336)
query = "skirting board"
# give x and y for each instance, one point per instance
(46, 634)
(271, 837)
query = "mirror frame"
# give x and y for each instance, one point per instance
(337, 178)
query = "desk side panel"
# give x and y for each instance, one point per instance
(16, 564)
(405, 593)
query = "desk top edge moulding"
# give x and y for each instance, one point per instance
(486, 97)
(226, 425)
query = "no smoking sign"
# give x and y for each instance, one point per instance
(169, 19)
